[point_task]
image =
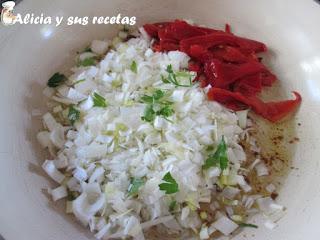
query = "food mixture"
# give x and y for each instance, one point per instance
(151, 132)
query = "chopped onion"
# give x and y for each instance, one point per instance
(230, 192)
(44, 139)
(88, 203)
(87, 104)
(173, 224)
(59, 192)
(144, 34)
(214, 172)
(50, 122)
(225, 225)
(243, 184)
(57, 136)
(255, 162)
(99, 47)
(271, 188)
(73, 184)
(270, 225)
(49, 167)
(103, 231)
(211, 229)
(148, 224)
(242, 118)
(133, 227)
(75, 95)
(178, 95)
(184, 213)
(80, 174)
(61, 162)
(268, 206)
(96, 175)
(261, 169)
(204, 234)
(92, 151)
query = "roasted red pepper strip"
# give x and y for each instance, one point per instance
(179, 30)
(227, 28)
(226, 62)
(222, 75)
(268, 78)
(273, 111)
(221, 38)
(152, 29)
(230, 55)
(249, 86)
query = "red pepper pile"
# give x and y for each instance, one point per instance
(227, 62)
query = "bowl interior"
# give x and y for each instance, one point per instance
(31, 53)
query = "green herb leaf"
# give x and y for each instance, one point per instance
(210, 148)
(172, 77)
(79, 81)
(73, 115)
(56, 80)
(172, 206)
(149, 114)
(164, 80)
(134, 186)
(158, 94)
(183, 74)
(166, 111)
(98, 101)
(162, 107)
(134, 67)
(170, 186)
(147, 99)
(247, 225)
(218, 158)
(87, 62)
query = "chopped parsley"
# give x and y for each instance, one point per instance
(219, 158)
(172, 77)
(165, 111)
(170, 186)
(87, 62)
(98, 100)
(134, 186)
(156, 106)
(79, 81)
(73, 114)
(149, 114)
(56, 80)
(134, 67)
(247, 225)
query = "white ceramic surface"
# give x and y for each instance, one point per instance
(29, 54)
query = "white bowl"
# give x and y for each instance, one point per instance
(31, 53)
